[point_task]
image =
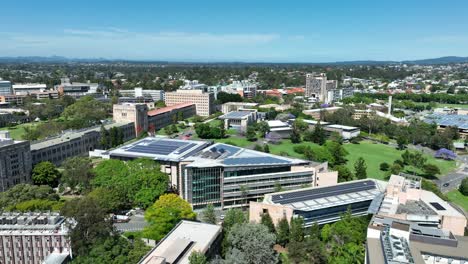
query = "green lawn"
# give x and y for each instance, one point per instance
(456, 197)
(374, 154)
(17, 132)
(287, 147)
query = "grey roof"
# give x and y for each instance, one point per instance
(236, 115)
(460, 121)
(159, 148)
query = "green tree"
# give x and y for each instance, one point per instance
(164, 214)
(282, 232)
(266, 148)
(337, 151)
(297, 229)
(344, 174)
(402, 141)
(45, 173)
(431, 169)
(197, 257)
(251, 244)
(268, 222)
(114, 249)
(395, 168)
(360, 168)
(26, 192)
(384, 166)
(92, 223)
(85, 112)
(77, 172)
(251, 134)
(263, 128)
(464, 187)
(310, 251)
(105, 138)
(111, 199)
(318, 135)
(209, 215)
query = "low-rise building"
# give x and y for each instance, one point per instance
(76, 89)
(346, 132)
(319, 112)
(204, 101)
(72, 143)
(186, 237)
(239, 120)
(138, 92)
(28, 88)
(33, 237)
(15, 162)
(322, 204)
(281, 128)
(12, 99)
(236, 106)
(450, 120)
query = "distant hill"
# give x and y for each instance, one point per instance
(60, 59)
(441, 60)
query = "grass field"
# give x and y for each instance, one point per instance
(456, 197)
(17, 132)
(374, 154)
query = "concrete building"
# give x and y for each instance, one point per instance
(152, 120)
(338, 94)
(346, 132)
(194, 85)
(12, 99)
(236, 106)
(167, 152)
(283, 129)
(321, 204)
(136, 113)
(5, 88)
(405, 200)
(224, 175)
(33, 237)
(316, 86)
(204, 102)
(74, 143)
(244, 88)
(15, 162)
(450, 120)
(45, 95)
(185, 238)
(76, 89)
(28, 88)
(163, 117)
(239, 120)
(156, 95)
(229, 176)
(395, 241)
(318, 112)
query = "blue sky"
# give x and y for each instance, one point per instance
(268, 31)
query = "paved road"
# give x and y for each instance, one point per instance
(453, 179)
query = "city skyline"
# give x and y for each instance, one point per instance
(248, 32)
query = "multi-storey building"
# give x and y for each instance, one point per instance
(316, 86)
(12, 99)
(162, 117)
(5, 88)
(75, 89)
(237, 106)
(136, 113)
(33, 237)
(225, 175)
(15, 161)
(28, 88)
(153, 120)
(244, 88)
(204, 102)
(74, 143)
(156, 95)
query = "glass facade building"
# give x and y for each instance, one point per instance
(5, 88)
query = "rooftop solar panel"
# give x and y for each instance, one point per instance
(254, 160)
(437, 206)
(183, 149)
(304, 195)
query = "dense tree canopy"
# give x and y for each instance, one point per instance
(45, 173)
(164, 214)
(25, 192)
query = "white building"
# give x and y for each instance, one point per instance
(28, 88)
(244, 88)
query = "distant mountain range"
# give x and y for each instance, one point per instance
(60, 59)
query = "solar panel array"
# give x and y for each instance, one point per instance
(460, 121)
(160, 147)
(304, 195)
(223, 148)
(437, 206)
(254, 161)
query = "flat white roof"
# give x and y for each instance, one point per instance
(343, 127)
(193, 236)
(277, 123)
